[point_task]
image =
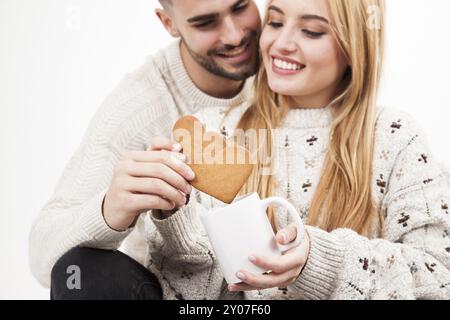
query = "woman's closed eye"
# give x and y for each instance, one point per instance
(275, 24)
(312, 34)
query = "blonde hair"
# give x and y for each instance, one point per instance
(343, 197)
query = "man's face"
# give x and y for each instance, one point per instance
(220, 35)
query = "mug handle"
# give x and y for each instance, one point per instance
(298, 222)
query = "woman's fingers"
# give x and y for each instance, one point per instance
(284, 270)
(278, 265)
(287, 235)
(251, 281)
(294, 258)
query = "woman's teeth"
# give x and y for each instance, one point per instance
(286, 65)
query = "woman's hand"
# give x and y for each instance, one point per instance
(284, 270)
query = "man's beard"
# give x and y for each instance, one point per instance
(208, 63)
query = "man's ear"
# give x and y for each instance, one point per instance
(167, 22)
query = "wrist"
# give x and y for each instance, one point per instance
(115, 224)
(163, 215)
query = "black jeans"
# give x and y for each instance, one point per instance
(102, 275)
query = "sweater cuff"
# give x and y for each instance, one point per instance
(181, 231)
(94, 224)
(326, 256)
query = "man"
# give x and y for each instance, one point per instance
(120, 172)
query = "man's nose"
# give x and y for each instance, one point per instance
(232, 33)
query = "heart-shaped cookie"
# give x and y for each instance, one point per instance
(221, 167)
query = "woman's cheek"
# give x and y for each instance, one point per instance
(326, 53)
(265, 47)
(264, 42)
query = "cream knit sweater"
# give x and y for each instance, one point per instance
(146, 103)
(409, 186)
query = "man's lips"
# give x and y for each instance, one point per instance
(238, 54)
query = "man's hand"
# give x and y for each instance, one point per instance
(147, 180)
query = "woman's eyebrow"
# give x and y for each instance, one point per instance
(313, 17)
(302, 17)
(275, 8)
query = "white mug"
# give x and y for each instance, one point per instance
(241, 229)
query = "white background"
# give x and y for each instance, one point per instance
(60, 58)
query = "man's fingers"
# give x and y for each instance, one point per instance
(175, 161)
(160, 171)
(161, 143)
(140, 202)
(287, 235)
(156, 187)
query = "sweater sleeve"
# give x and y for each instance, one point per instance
(182, 256)
(73, 215)
(412, 261)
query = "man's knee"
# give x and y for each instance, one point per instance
(68, 265)
(86, 273)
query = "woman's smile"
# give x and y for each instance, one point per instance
(286, 66)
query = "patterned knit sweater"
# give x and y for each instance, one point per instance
(410, 187)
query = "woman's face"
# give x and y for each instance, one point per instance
(302, 58)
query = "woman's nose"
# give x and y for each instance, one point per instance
(285, 43)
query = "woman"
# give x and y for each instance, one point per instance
(374, 200)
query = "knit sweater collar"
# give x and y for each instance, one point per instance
(189, 89)
(303, 118)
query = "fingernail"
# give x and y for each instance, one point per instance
(252, 258)
(177, 147)
(283, 237)
(240, 275)
(191, 175)
(231, 288)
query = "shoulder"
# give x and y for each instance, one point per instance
(399, 146)
(402, 152)
(146, 84)
(138, 100)
(396, 129)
